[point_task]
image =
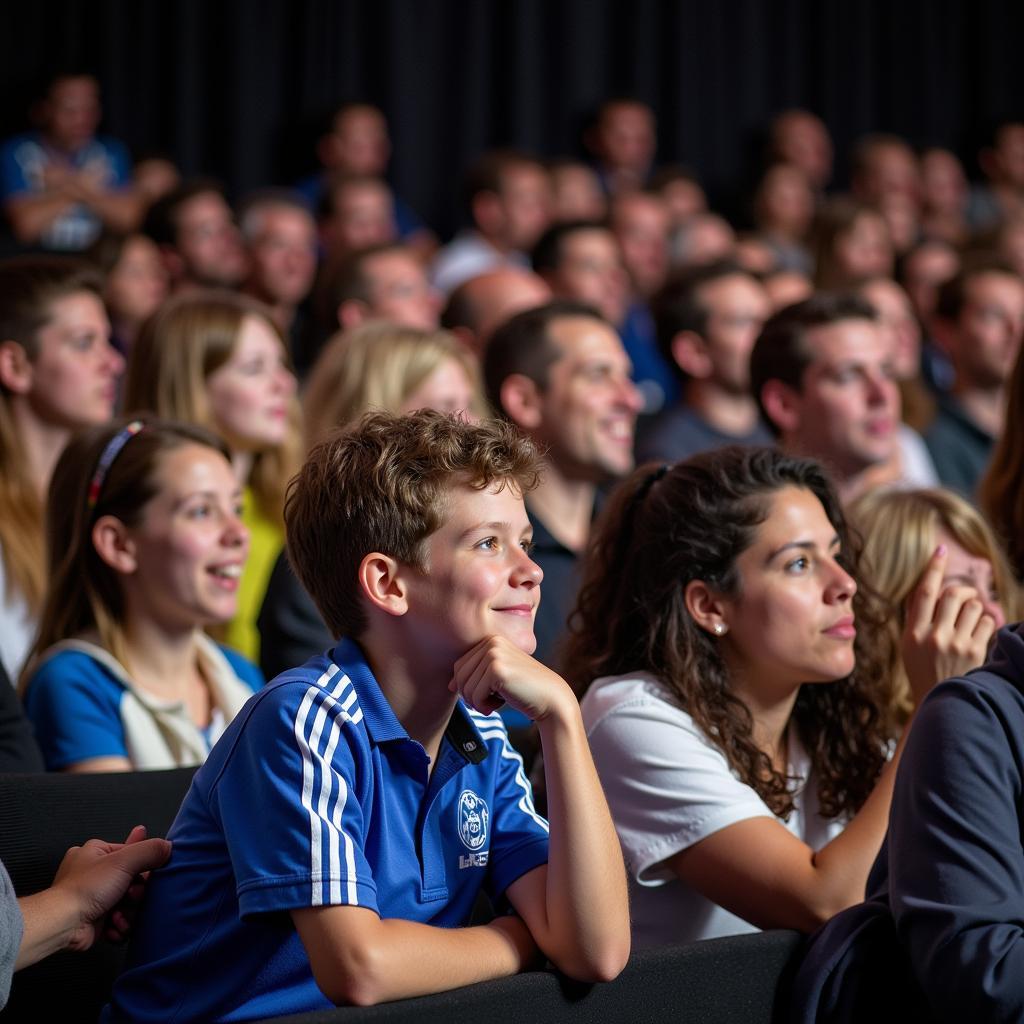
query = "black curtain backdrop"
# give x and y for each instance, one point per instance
(237, 88)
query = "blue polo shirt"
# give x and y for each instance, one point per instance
(316, 796)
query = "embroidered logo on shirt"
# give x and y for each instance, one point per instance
(473, 820)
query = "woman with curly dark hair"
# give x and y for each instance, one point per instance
(714, 591)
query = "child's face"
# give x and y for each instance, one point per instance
(479, 580)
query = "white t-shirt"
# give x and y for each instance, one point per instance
(668, 786)
(17, 627)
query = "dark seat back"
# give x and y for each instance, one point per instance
(720, 981)
(40, 817)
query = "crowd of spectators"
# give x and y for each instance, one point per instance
(823, 396)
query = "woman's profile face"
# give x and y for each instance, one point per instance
(792, 619)
(75, 371)
(250, 394)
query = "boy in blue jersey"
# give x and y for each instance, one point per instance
(342, 828)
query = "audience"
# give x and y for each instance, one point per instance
(738, 742)
(280, 237)
(822, 373)
(622, 141)
(979, 321)
(375, 366)
(483, 303)
(58, 372)
(800, 138)
(902, 531)
(508, 198)
(1000, 492)
(219, 360)
(851, 242)
(357, 211)
(412, 537)
(582, 262)
(135, 283)
(198, 238)
(62, 184)
(644, 300)
(561, 375)
(576, 192)
(707, 321)
(146, 548)
(783, 214)
(356, 141)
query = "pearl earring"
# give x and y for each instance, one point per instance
(719, 629)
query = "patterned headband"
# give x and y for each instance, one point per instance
(106, 460)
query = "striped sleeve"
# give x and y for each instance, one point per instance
(290, 801)
(519, 838)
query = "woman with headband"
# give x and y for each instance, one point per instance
(58, 372)
(218, 360)
(740, 746)
(146, 548)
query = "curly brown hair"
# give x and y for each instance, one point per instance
(384, 484)
(663, 528)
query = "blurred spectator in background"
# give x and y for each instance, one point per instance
(198, 238)
(576, 192)
(135, 283)
(783, 214)
(356, 142)
(622, 141)
(800, 138)
(280, 238)
(62, 184)
(508, 198)
(483, 303)
(944, 193)
(979, 321)
(851, 243)
(356, 211)
(707, 322)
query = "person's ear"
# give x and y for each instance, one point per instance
(690, 351)
(15, 368)
(521, 401)
(113, 544)
(382, 581)
(706, 608)
(782, 405)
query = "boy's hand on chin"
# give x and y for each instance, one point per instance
(495, 672)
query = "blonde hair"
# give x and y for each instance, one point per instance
(378, 366)
(177, 350)
(1000, 492)
(900, 534)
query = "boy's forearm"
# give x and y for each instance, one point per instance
(398, 959)
(586, 899)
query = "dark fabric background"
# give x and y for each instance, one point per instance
(235, 87)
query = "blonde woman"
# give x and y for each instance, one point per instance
(902, 531)
(58, 372)
(218, 360)
(374, 366)
(395, 369)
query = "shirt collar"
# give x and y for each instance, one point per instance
(381, 722)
